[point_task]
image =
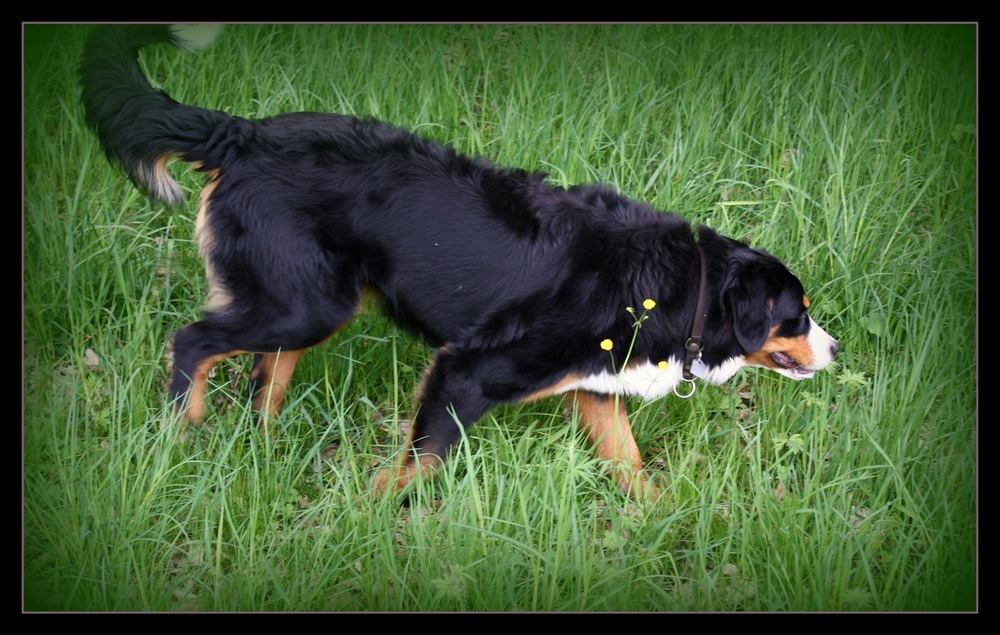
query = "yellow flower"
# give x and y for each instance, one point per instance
(607, 345)
(648, 304)
(663, 365)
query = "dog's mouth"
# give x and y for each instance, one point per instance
(785, 362)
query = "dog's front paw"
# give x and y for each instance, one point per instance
(394, 479)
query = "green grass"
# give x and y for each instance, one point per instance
(848, 151)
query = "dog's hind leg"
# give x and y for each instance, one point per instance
(269, 379)
(198, 346)
(605, 420)
(277, 327)
(272, 374)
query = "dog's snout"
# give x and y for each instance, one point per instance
(834, 348)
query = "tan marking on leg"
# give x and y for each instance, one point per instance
(606, 423)
(418, 392)
(194, 403)
(199, 223)
(393, 479)
(276, 375)
(218, 296)
(409, 465)
(277, 370)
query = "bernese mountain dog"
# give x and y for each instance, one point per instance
(525, 289)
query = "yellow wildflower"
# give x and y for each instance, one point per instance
(648, 304)
(663, 365)
(607, 345)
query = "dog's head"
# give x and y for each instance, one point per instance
(768, 310)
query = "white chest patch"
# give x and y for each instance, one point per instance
(648, 380)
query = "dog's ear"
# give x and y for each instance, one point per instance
(749, 305)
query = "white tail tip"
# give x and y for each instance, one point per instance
(194, 37)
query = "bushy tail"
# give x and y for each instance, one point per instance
(140, 127)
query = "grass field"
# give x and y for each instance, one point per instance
(849, 151)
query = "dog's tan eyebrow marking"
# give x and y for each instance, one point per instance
(805, 300)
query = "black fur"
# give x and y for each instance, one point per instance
(516, 281)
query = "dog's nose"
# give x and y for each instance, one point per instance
(834, 348)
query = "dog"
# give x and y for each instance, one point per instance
(526, 290)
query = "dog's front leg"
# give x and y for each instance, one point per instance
(605, 420)
(449, 400)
